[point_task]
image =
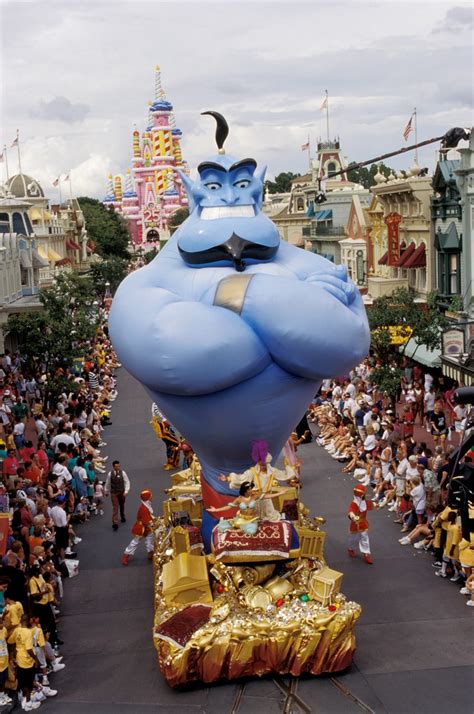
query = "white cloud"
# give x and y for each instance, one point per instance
(265, 65)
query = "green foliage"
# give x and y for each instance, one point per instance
(106, 228)
(69, 316)
(282, 182)
(178, 217)
(364, 175)
(400, 309)
(112, 270)
(387, 378)
(150, 255)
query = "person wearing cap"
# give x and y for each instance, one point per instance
(359, 525)
(142, 528)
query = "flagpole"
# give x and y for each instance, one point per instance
(327, 113)
(416, 134)
(309, 154)
(18, 147)
(6, 161)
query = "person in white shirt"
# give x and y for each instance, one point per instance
(460, 414)
(60, 520)
(64, 437)
(429, 400)
(418, 497)
(40, 425)
(61, 471)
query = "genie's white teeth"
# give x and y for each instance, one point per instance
(215, 212)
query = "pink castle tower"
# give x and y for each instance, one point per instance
(151, 191)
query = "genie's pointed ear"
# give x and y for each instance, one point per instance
(188, 185)
(260, 175)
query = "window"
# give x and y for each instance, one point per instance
(300, 204)
(449, 278)
(4, 223)
(18, 224)
(332, 168)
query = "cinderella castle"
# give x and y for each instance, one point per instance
(151, 191)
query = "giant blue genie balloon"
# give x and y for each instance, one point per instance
(230, 329)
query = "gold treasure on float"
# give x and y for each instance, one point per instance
(226, 615)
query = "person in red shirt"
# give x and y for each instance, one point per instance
(43, 457)
(10, 468)
(27, 451)
(142, 528)
(357, 514)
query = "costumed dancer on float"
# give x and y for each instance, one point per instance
(247, 517)
(142, 528)
(166, 433)
(264, 477)
(357, 513)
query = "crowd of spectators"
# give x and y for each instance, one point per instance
(51, 466)
(375, 440)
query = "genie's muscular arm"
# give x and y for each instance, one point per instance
(313, 334)
(153, 328)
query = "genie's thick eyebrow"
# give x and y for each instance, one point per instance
(217, 167)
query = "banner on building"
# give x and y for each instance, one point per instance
(360, 267)
(392, 221)
(453, 342)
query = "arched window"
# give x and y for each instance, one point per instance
(300, 204)
(18, 224)
(4, 223)
(332, 168)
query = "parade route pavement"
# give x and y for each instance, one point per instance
(415, 637)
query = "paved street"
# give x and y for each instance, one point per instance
(415, 651)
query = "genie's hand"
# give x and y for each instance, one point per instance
(344, 291)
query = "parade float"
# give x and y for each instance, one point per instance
(231, 331)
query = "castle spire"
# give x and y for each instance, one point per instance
(158, 88)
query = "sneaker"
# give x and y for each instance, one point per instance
(101, 512)
(68, 551)
(45, 681)
(71, 555)
(57, 659)
(465, 591)
(405, 541)
(58, 666)
(398, 520)
(456, 578)
(29, 706)
(440, 574)
(392, 508)
(49, 692)
(77, 540)
(437, 564)
(38, 695)
(418, 545)
(382, 503)
(470, 603)
(4, 700)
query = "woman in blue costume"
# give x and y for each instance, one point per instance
(247, 518)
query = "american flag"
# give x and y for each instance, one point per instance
(15, 143)
(408, 128)
(56, 183)
(305, 147)
(324, 105)
(66, 178)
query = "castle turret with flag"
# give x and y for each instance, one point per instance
(151, 191)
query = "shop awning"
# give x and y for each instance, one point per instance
(383, 260)
(63, 261)
(53, 256)
(34, 214)
(310, 211)
(72, 245)
(43, 254)
(38, 260)
(25, 260)
(418, 259)
(324, 215)
(421, 354)
(407, 253)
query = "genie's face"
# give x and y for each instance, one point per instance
(226, 225)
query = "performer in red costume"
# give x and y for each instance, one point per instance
(359, 527)
(142, 528)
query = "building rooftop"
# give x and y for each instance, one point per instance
(24, 186)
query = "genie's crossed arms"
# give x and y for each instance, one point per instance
(298, 311)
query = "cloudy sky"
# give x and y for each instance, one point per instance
(76, 76)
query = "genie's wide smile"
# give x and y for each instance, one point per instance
(212, 213)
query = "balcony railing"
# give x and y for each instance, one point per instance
(317, 232)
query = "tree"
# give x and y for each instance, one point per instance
(366, 176)
(177, 218)
(282, 182)
(55, 335)
(106, 228)
(112, 271)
